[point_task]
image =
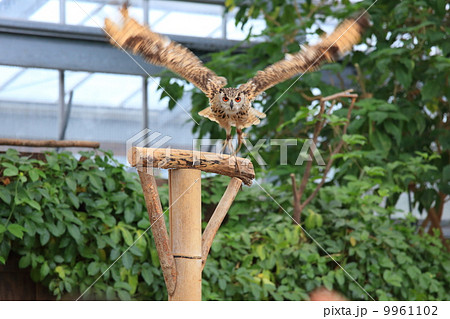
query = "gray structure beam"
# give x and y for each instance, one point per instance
(80, 48)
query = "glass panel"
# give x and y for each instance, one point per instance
(7, 75)
(28, 105)
(93, 13)
(33, 85)
(182, 18)
(49, 12)
(105, 89)
(19, 9)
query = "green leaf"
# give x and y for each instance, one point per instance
(74, 231)
(147, 274)
(319, 220)
(310, 221)
(124, 295)
(72, 184)
(378, 116)
(129, 215)
(127, 260)
(16, 230)
(45, 269)
(222, 284)
(33, 204)
(127, 236)
(260, 252)
(110, 293)
(34, 175)
(5, 195)
(2, 228)
(93, 268)
(392, 278)
(2, 260)
(60, 271)
(430, 90)
(118, 197)
(403, 76)
(381, 141)
(340, 277)
(394, 130)
(74, 199)
(44, 237)
(11, 171)
(95, 181)
(354, 139)
(122, 285)
(58, 259)
(133, 282)
(25, 261)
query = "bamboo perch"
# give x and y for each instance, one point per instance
(155, 213)
(186, 232)
(48, 143)
(204, 161)
(188, 249)
(218, 216)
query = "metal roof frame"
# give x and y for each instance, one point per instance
(79, 48)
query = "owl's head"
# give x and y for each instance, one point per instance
(231, 100)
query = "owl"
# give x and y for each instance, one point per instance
(230, 106)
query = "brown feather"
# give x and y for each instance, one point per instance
(160, 50)
(308, 59)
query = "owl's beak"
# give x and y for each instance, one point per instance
(231, 104)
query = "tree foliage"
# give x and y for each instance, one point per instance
(400, 73)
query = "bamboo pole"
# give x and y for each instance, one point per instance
(186, 232)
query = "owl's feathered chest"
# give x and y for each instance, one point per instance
(232, 119)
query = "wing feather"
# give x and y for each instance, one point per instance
(160, 50)
(207, 112)
(254, 117)
(309, 58)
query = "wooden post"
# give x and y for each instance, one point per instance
(183, 259)
(185, 221)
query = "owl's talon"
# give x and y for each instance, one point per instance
(227, 143)
(237, 168)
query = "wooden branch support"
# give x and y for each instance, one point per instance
(159, 230)
(218, 216)
(48, 143)
(183, 257)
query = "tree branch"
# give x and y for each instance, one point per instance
(48, 143)
(159, 230)
(298, 193)
(218, 216)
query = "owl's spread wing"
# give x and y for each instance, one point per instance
(160, 50)
(254, 117)
(208, 113)
(309, 58)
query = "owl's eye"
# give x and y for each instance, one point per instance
(225, 99)
(238, 99)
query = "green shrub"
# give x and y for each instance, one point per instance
(260, 255)
(71, 219)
